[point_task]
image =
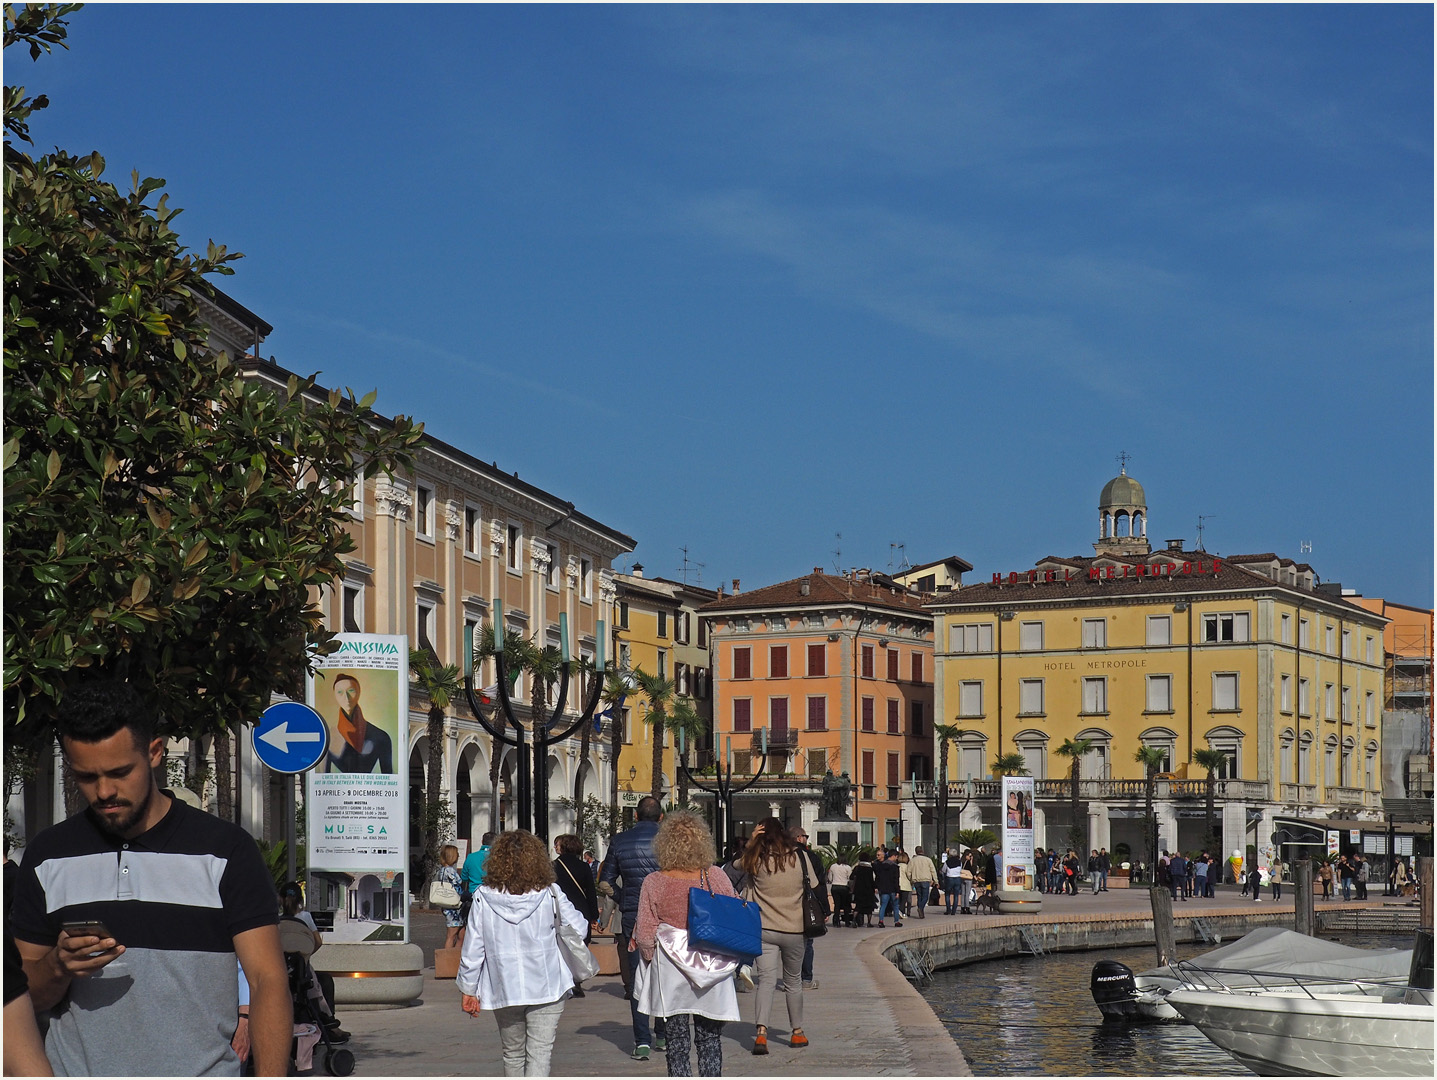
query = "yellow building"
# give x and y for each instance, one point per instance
(657, 629)
(1177, 649)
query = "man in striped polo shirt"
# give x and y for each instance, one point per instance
(180, 895)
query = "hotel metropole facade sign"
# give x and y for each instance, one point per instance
(1109, 573)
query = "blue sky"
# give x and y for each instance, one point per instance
(745, 278)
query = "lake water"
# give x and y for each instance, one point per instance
(1034, 1016)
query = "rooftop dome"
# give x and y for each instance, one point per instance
(1122, 490)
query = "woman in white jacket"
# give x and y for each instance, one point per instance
(511, 961)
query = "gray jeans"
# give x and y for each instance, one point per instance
(788, 948)
(526, 1033)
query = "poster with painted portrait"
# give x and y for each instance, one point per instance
(1017, 811)
(357, 798)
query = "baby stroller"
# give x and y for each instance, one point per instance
(313, 1022)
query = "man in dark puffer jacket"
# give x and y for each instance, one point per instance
(630, 860)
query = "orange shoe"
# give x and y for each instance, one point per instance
(760, 1044)
(798, 1038)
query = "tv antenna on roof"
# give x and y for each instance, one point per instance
(838, 553)
(901, 550)
(698, 568)
(1305, 547)
(1202, 518)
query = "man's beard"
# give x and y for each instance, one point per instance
(118, 826)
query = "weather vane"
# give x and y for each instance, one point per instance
(1122, 459)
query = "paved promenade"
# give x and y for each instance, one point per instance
(864, 1019)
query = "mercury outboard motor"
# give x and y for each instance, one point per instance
(1115, 991)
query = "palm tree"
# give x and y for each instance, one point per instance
(685, 720)
(946, 734)
(1151, 758)
(583, 671)
(1212, 761)
(441, 685)
(1009, 764)
(660, 692)
(1074, 749)
(618, 685)
(976, 838)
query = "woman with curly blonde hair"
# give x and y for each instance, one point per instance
(511, 961)
(774, 876)
(676, 981)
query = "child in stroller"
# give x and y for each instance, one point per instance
(314, 1017)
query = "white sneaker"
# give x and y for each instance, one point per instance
(745, 977)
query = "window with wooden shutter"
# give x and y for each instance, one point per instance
(1030, 696)
(1095, 633)
(778, 716)
(742, 714)
(741, 664)
(866, 711)
(970, 699)
(1160, 693)
(817, 659)
(1095, 695)
(1160, 629)
(778, 661)
(893, 720)
(892, 665)
(867, 770)
(866, 659)
(1030, 637)
(1224, 691)
(817, 713)
(917, 667)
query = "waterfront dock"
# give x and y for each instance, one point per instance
(865, 1018)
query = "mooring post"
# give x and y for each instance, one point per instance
(1164, 936)
(1302, 915)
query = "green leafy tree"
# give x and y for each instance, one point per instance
(441, 684)
(1073, 750)
(1151, 758)
(1212, 761)
(165, 518)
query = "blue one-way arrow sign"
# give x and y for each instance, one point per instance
(290, 737)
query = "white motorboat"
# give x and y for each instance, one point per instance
(1326, 965)
(1298, 1032)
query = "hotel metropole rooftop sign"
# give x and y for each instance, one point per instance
(1109, 573)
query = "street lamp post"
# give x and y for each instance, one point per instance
(534, 741)
(723, 790)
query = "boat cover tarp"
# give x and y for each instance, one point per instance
(1271, 949)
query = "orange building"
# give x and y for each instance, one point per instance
(1407, 697)
(833, 674)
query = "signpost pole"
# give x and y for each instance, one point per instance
(290, 840)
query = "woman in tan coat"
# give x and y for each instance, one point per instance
(773, 876)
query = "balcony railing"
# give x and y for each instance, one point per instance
(1062, 790)
(782, 740)
(1299, 793)
(1347, 796)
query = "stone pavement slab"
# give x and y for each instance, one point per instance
(865, 1018)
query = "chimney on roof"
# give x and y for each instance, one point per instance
(720, 590)
(638, 570)
(803, 587)
(735, 586)
(818, 569)
(1174, 545)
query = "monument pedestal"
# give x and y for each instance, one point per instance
(840, 832)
